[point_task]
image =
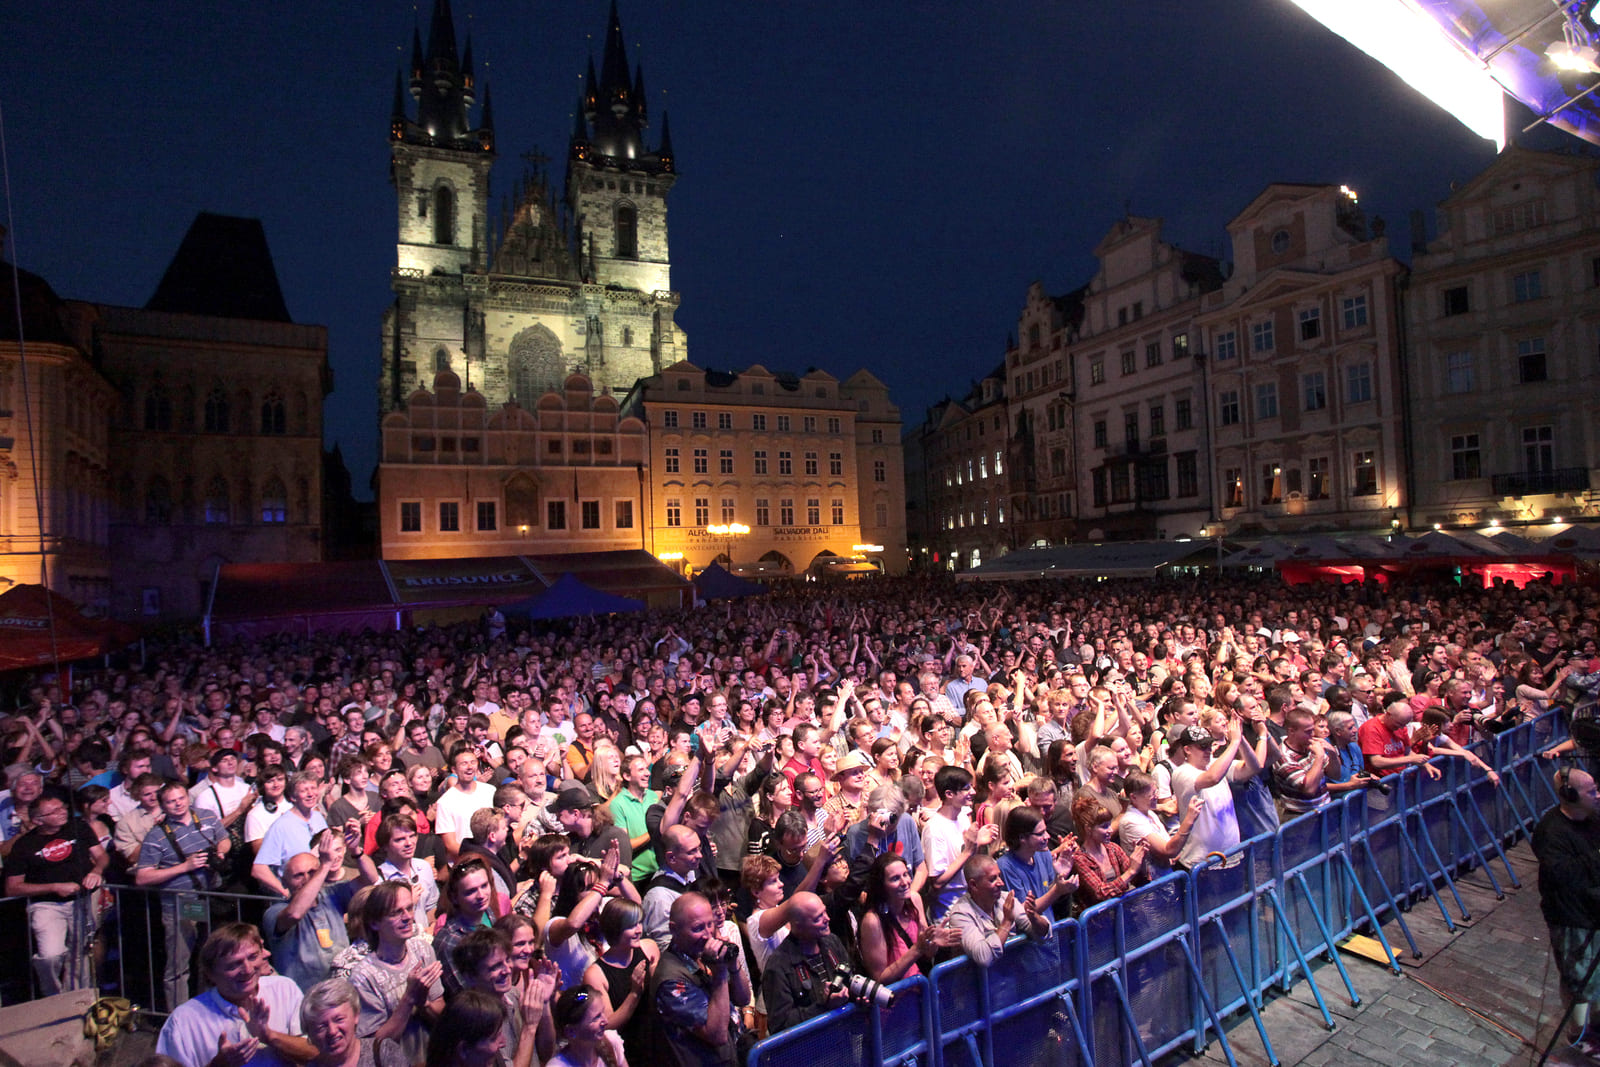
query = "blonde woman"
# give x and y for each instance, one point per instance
(605, 772)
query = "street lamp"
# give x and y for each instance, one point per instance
(728, 531)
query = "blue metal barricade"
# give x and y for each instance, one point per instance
(858, 1033)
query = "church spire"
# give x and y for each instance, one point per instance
(397, 112)
(665, 151)
(638, 97)
(443, 82)
(614, 87)
(486, 122)
(442, 40)
(417, 61)
(614, 107)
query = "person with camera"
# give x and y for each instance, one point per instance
(1566, 843)
(55, 864)
(697, 988)
(799, 979)
(180, 854)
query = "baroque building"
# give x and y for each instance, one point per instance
(965, 495)
(1502, 318)
(1043, 454)
(514, 304)
(217, 433)
(812, 465)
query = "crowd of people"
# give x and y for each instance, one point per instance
(630, 838)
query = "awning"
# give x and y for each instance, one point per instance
(1114, 559)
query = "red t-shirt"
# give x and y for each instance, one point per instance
(1378, 740)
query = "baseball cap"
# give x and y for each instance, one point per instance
(1191, 735)
(573, 798)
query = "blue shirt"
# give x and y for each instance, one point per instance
(305, 951)
(288, 836)
(1036, 877)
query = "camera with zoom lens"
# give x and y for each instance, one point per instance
(723, 953)
(215, 861)
(860, 987)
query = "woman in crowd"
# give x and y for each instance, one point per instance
(586, 1038)
(896, 939)
(1104, 870)
(328, 1017)
(620, 975)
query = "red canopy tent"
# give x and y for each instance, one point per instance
(26, 616)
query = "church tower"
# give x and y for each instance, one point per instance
(513, 302)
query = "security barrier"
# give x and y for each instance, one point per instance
(1162, 967)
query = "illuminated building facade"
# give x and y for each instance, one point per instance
(1302, 344)
(1503, 317)
(812, 465)
(1042, 472)
(967, 479)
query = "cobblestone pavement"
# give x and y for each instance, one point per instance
(1493, 998)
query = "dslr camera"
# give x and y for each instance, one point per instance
(723, 952)
(860, 987)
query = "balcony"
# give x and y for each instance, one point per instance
(1535, 483)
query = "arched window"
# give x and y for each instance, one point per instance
(217, 502)
(157, 409)
(274, 502)
(441, 361)
(158, 503)
(272, 414)
(627, 232)
(217, 420)
(444, 216)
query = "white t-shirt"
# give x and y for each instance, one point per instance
(207, 793)
(762, 948)
(454, 814)
(942, 842)
(258, 818)
(1134, 826)
(1216, 828)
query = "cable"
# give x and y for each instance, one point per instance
(27, 412)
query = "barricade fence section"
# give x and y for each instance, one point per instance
(1162, 967)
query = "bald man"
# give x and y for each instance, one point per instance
(677, 874)
(305, 932)
(697, 986)
(1567, 844)
(795, 980)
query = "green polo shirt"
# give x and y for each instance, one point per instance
(628, 812)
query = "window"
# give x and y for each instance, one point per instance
(702, 510)
(724, 420)
(1228, 407)
(216, 411)
(449, 517)
(783, 424)
(1354, 310)
(1233, 487)
(624, 515)
(836, 511)
(758, 421)
(836, 464)
(669, 420)
(1099, 433)
(997, 468)
(1310, 324)
(1358, 383)
(672, 461)
(1271, 483)
(1128, 362)
(1456, 301)
(158, 504)
(1152, 354)
(786, 463)
(683, 385)
(1121, 485)
(1513, 217)
(813, 512)
(1158, 420)
(274, 503)
(811, 463)
(1458, 372)
(697, 420)
(1098, 495)
(444, 216)
(786, 512)
(674, 512)
(702, 461)
(725, 461)
(1267, 400)
(1227, 345)
(1317, 472)
(411, 516)
(1538, 449)
(1182, 414)
(761, 460)
(808, 423)
(272, 420)
(589, 515)
(1188, 474)
(1466, 459)
(880, 471)
(1314, 387)
(1130, 428)
(1261, 336)
(1528, 285)
(1097, 372)
(555, 514)
(881, 513)
(1180, 345)
(834, 425)
(1280, 242)
(727, 510)
(486, 515)
(983, 466)
(1531, 365)
(1153, 483)
(877, 437)
(1365, 480)
(763, 512)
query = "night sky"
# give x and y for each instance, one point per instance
(860, 184)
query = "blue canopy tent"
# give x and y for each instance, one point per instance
(716, 583)
(569, 597)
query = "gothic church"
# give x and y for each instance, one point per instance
(511, 307)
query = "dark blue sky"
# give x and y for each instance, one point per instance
(860, 184)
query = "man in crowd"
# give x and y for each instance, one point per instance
(306, 932)
(1566, 843)
(697, 988)
(988, 912)
(797, 981)
(290, 834)
(676, 876)
(248, 1017)
(178, 855)
(55, 866)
